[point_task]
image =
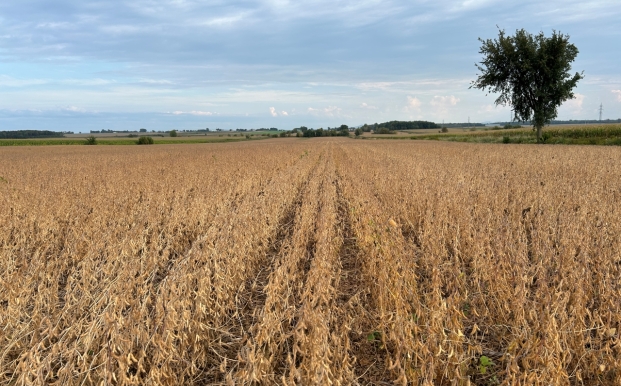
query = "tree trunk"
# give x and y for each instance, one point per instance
(539, 134)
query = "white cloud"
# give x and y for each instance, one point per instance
(435, 83)
(368, 86)
(444, 101)
(442, 105)
(364, 105)
(8, 81)
(618, 92)
(414, 102)
(122, 29)
(575, 104)
(225, 21)
(574, 10)
(471, 5)
(487, 109)
(199, 113)
(87, 82)
(276, 113)
(52, 25)
(155, 81)
(349, 13)
(74, 109)
(330, 111)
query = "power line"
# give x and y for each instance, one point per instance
(601, 110)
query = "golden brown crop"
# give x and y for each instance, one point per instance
(324, 261)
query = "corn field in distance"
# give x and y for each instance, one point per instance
(310, 262)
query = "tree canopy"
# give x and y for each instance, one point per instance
(22, 134)
(407, 125)
(342, 131)
(531, 73)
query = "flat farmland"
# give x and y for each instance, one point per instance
(312, 262)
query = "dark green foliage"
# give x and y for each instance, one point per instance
(358, 132)
(588, 132)
(444, 130)
(585, 121)
(143, 140)
(531, 73)
(397, 125)
(91, 140)
(173, 133)
(459, 125)
(610, 136)
(505, 127)
(374, 336)
(26, 134)
(484, 363)
(343, 131)
(383, 130)
(406, 125)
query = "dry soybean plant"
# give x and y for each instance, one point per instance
(328, 261)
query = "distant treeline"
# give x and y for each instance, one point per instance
(27, 134)
(465, 124)
(408, 125)
(104, 131)
(579, 121)
(569, 122)
(304, 131)
(400, 125)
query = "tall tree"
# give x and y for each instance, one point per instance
(531, 73)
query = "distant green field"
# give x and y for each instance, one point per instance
(573, 135)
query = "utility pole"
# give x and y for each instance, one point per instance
(601, 110)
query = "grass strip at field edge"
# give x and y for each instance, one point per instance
(552, 137)
(106, 142)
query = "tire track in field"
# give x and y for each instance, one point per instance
(251, 295)
(366, 357)
(256, 285)
(255, 296)
(265, 352)
(317, 357)
(252, 269)
(224, 213)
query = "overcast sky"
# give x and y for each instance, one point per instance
(161, 64)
